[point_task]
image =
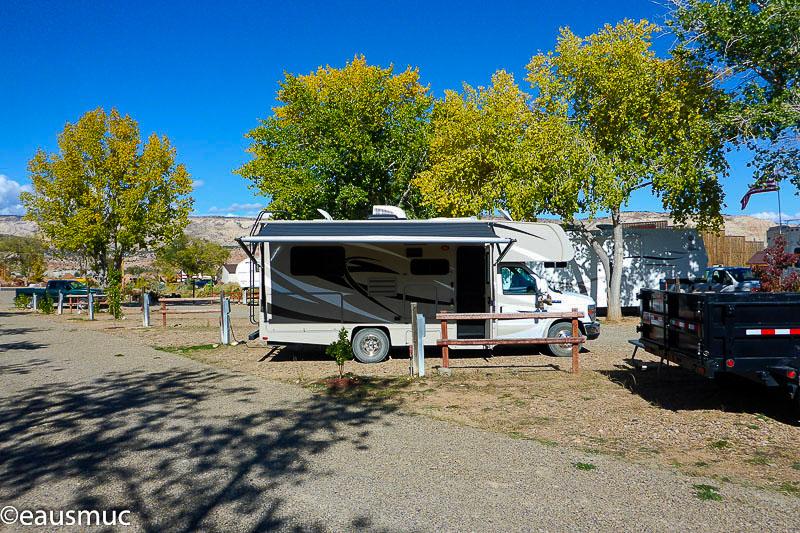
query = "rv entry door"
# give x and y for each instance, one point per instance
(471, 290)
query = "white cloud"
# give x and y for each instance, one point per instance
(773, 216)
(235, 208)
(198, 183)
(9, 196)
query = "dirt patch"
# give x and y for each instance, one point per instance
(740, 433)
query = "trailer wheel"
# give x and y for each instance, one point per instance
(560, 329)
(371, 345)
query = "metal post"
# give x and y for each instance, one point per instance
(224, 323)
(91, 305)
(575, 346)
(420, 320)
(60, 303)
(35, 302)
(445, 348)
(414, 339)
(145, 309)
(163, 313)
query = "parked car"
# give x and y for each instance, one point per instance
(67, 287)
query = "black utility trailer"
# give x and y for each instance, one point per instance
(752, 335)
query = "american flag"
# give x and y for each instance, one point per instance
(762, 186)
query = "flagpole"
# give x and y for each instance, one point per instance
(780, 222)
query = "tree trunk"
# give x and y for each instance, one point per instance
(614, 284)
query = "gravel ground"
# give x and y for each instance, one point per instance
(94, 421)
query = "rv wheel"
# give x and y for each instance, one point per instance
(562, 329)
(371, 345)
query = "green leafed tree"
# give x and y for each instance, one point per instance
(106, 194)
(607, 118)
(489, 150)
(23, 256)
(342, 140)
(647, 122)
(192, 255)
(755, 46)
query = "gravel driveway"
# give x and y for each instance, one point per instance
(93, 421)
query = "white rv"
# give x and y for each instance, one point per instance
(651, 254)
(319, 276)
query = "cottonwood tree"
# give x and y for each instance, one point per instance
(23, 255)
(755, 46)
(608, 118)
(489, 150)
(342, 140)
(193, 255)
(648, 122)
(106, 194)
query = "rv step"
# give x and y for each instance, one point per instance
(253, 336)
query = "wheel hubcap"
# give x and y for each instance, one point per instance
(561, 335)
(371, 345)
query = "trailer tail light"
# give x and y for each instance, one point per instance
(729, 363)
(264, 338)
(791, 374)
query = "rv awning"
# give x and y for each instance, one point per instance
(406, 231)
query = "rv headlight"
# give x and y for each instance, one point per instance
(592, 312)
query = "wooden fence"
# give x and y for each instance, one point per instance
(729, 250)
(575, 340)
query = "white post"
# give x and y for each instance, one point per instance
(224, 323)
(420, 320)
(414, 367)
(145, 309)
(35, 302)
(60, 302)
(91, 305)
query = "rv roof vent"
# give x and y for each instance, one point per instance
(381, 211)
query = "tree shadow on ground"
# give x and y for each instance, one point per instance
(677, 389)
(169, 447)
(20, 345)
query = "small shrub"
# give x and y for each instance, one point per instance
(584, 466)
(341, 350)
(46, 305)
(23, 301)
(707, 492)
(114, 294)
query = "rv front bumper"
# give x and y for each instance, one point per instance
(592, 330)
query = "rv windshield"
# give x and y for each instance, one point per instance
(516, 280)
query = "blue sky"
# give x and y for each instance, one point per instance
(202, 73)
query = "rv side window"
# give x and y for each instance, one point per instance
(430, 267)
(517, 280)
(317, 261)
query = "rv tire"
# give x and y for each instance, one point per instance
(560, 329)
(371, 345)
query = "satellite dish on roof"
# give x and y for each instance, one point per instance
(325, 214)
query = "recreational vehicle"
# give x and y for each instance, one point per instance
(318, 276)
(651, 254)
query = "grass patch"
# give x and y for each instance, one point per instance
(796, 465)
(707, 492)
(119, 355)
(759, 459)
(762, 417)
(184, 349)
(584, 466)
(790, 487)
(546, 442)
(719, 444)
(701, 463)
